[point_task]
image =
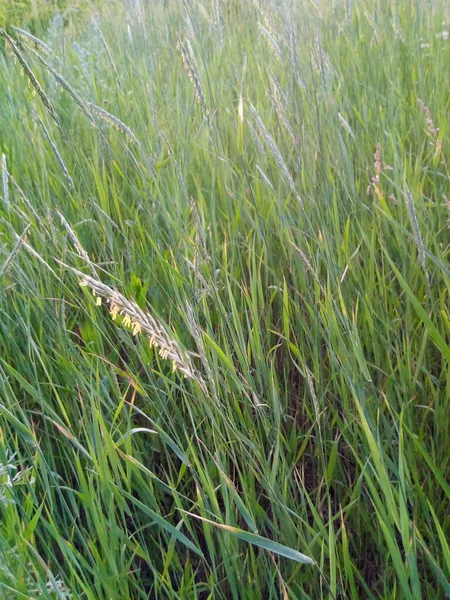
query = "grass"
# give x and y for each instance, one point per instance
(261, 191)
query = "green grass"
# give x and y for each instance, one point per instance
(231, 191)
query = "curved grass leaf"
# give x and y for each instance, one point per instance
(258, 540)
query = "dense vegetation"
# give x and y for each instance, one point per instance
(248, 395)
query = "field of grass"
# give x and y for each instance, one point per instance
(247, 397)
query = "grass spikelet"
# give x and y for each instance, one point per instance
(201, 255)
(432, 130)
(256, 137)
(6, 265)
(275, 152)
(141, 321)
(417, 235)
(292, 34)
(36, 255)
(312, 391)
(267, 22)
(113, 121)
(31, 76)
(64, 84)
(378, 168)
(271, 41)
(346, 126)
(218, 21)
(110, 58)
(278, 90)
(305, 260)
(190, 67)
(175, 162)
(76, 242)
(264, 177)
(27, 36)
(24, 199)
(280, 110)
(433, 134)
(57, 155)
(279, 101)
(197, 336)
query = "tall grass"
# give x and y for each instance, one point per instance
(264, 186)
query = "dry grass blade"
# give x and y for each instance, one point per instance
(275, 152)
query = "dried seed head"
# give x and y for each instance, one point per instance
(379, 168)
(432, 130)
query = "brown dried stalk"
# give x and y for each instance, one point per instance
(433, 134)
(379, 167)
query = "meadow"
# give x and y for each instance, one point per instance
(224, 299)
